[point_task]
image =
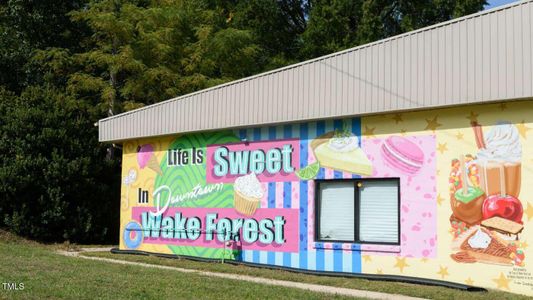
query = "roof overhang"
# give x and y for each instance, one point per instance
(484, 57)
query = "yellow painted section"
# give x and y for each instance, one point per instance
(145, 180)
(455, 137)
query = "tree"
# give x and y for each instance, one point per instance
(275, 25)
(332, 26)
(142, 54)
(27, 25)
(335, 25)
(67, 64)
(54, 180)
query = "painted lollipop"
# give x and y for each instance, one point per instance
(146, 158)
(128, 181)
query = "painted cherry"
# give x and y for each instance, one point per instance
(507, 207)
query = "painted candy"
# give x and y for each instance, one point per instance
(133, 235)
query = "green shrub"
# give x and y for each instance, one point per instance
(55, 181)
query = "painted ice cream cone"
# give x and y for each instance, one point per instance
(146, 158)
(154, 165)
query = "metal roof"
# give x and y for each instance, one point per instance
(478, 58)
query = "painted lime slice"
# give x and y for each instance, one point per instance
(309, 172)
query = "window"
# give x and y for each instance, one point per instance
(358, 210)
(337, 211)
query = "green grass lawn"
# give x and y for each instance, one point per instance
(48, 275)
(424, 291)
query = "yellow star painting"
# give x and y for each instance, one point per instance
(502, 282)
(401, 263)
(529, 211)
(503, 106)
(397, 118)
(440, 199)
(443, 272)
(457, 149)
(522, 129)
(432, 124)
(442, 148)
(459, 135)
(472, 117)
(369, 131)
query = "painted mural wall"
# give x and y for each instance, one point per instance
(466, 204)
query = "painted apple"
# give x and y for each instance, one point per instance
(507, 207)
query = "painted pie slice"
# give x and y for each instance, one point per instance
(341, 153)
(484, 246)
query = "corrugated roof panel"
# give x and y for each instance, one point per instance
(500, 56)
(250, 101)
(527, 31)
(386, 70)
(399, 75)
(215, 105)
(430, 71)
(258, 94)
(518, 58)
(212, 105)
(433, 68)
(342, 84)
(509, 55)
(477, 58)
(527, 43)
(233, 109)
(239, 110)
(283, 96)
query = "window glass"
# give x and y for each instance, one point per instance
(337, 211)
(378, 203)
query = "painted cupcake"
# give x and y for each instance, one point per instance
(248, 194)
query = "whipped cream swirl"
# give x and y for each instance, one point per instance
(249, 186)
(345, 142)
(480, 240)
(502, 143)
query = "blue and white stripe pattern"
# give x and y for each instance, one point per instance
(311, 256)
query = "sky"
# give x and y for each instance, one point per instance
(494, 3)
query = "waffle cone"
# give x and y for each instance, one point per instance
(491, 259)
(245, 205)
(154, 165)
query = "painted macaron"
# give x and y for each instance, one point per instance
(402, 154)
